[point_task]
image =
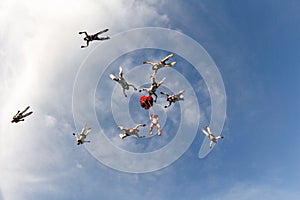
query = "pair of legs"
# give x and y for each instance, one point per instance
(158, 128)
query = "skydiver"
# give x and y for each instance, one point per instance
(213, 139)
(162, 63)
(122, 81)
(154, 122)
(81, 138)
(20, 115)
(153, 87)
(173, 98)
(131, 131)
(89, 38)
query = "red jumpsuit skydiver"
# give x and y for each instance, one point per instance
(146, 102)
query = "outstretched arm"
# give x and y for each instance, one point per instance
(113, 77)
(181, 92)
(24, 110)
(120, 72)
(138, 125)
(88, 131)
(87, 44)
(84, 33)
(143, 89)
(16, 115)
(150, 63)
(122, 128)
(170, 102)
(132, 86)
(75, 135)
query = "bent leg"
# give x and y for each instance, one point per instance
(151, 129)
(219, 137)
(155, 97)
(21, 113)
(158, 129)
(104, 38)
(170, 64)
(124, 92)
(27, 114)
(83, 32)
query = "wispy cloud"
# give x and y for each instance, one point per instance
(40, 56)
(246, 191)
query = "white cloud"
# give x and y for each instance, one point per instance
(40, 56)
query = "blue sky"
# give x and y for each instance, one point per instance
(254, 44)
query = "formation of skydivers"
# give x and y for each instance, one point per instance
(145, 101)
